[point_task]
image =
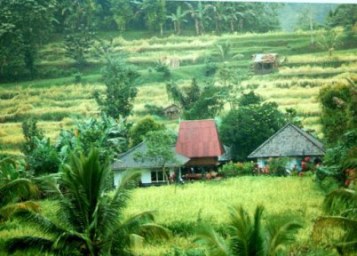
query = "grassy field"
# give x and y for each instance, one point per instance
(56, 102)
(179, 207)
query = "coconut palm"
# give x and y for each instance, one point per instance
(340, 207)
(250, 236)
(91, 220)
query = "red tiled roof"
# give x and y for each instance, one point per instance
(199, 138)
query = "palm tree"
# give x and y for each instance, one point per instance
(340, 207)
(91, 219)
(248, 236)
(178, 18)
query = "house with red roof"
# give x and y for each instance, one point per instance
(198, 147)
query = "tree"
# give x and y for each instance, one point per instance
(250, 236)
(123, 12)
(77, 46)
(108, 135)
(330, 40)
(178, 18)
(41, 157)
(142, 127)
(159, 149)
(154, 13)
(248, 126)
(198, 102)
(119, 79)
(92, 222)
(344, 15)
(25, 24)
(198, 15)
(339, 125)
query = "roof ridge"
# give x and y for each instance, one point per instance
(309, 136)
(131, 149)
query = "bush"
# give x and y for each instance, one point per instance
(235, 169)
(277, 166)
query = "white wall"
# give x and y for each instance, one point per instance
(293, 161)
(145, 176)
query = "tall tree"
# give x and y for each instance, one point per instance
(92, 222)
(119, 79)
(178, 18)
(25, 24)
(198, 102)
(198, 14)
(155, 14)
(159, 150)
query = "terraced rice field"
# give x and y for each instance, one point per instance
(56, 103)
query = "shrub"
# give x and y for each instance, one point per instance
(277, 166)
(235, 169)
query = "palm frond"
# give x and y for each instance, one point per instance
(246, 233)
(339, 201)
(26, 242)
(152, 230)
(281, 232)
(20, 188)
(216, 244)
(336, 230)
(7, 211)
(43, 223)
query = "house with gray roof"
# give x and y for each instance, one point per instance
(291, 142)
(151, 171)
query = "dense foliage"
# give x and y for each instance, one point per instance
(198, 102)
(339, 123)
(119, 79)
(91, 220)
(246, 127)
(141, 128)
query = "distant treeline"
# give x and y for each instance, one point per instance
(25, 25)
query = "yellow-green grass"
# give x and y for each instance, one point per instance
(209, 201)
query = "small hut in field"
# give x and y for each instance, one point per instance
(289, 142)
(264, 63)
(172, 112)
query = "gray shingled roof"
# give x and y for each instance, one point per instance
(289, 141)
(128, 159)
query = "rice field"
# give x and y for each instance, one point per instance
(56, 103)
(179, 207)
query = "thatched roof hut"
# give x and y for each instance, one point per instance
(289, 141)
(265, 62)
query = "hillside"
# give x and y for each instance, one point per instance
(57, 101)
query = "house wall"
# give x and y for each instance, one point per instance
(203, 161)
(292, 162)
(145, 176)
